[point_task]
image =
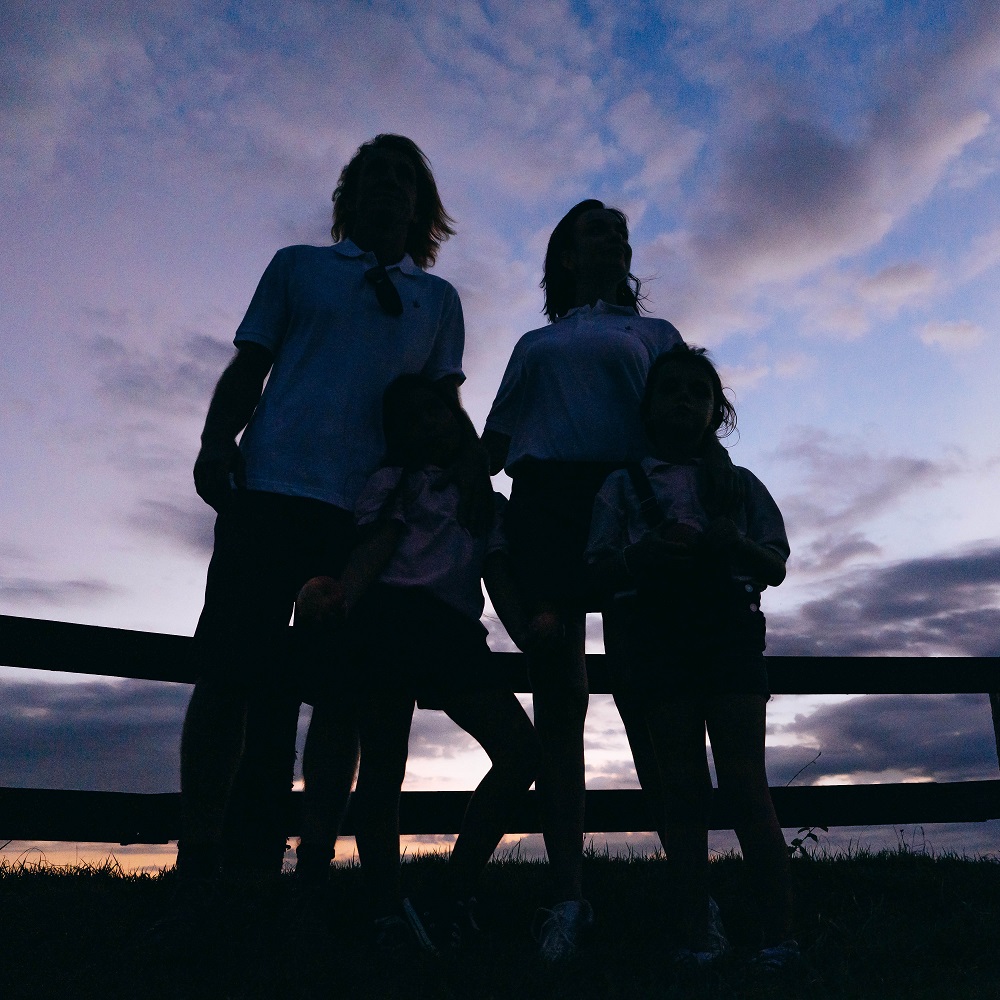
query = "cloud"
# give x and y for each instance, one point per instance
(982, 255)
(844, 486)
(26, 592)
(190, 522)
(122, 736)
(954, 336)
(898, 285)
(800, 175)
(434, 735)
(179, 376)
(946, 605)
(900, 737)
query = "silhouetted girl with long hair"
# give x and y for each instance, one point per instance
(687, 566)
(566, 414)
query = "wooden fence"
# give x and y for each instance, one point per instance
(126, 818)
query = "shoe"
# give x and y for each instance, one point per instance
(717, 944)
(558, 930)
(403, 932)
(778, 958)
(451, 924)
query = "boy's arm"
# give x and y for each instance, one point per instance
(497, 446)
(233, 402)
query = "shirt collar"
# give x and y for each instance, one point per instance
(651, 462)
(346, 248)
(600, 309)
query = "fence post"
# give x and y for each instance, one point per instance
(995, 710)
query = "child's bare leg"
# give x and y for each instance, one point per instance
(677, 729)
(736, 726)
(632, 708)
(560, 696)
(647, 768)
(499, 723)
(384, 728)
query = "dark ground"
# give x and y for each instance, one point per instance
(888, 925)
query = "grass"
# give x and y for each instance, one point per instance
(884, 925)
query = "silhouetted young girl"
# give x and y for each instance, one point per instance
(412, 597)
(687, 572)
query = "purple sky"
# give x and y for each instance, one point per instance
(814, 192)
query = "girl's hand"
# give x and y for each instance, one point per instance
(652, 553)
(722, 536)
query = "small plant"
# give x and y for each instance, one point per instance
(799, 844)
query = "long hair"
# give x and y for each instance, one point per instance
(558, 282)
(723, 411)
(432, 225)
(721, 488)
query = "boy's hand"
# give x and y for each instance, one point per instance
(322, 601)
(215, 464)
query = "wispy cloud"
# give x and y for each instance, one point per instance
(845, 486)
(955, 336)
(98, 736)
(179, 375)
(944, 605)
(27, 592)
(939, 737)
(189, 522)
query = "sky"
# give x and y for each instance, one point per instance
(813, 189)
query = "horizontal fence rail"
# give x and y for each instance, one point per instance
(128, 818)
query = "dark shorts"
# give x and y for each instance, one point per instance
(405, 638)
(658, 656)
(547, 523)
(267, 546)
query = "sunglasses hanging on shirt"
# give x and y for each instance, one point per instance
(385, 290)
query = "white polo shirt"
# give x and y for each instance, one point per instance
(317, 430)
(435, 553)
(571, 391)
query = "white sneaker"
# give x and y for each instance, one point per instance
(557, 930)
(778, 957)
(717, 944)
(403, 932)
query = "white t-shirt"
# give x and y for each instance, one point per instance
(317, 430)
(571, 391)
(435, 553)
(618, 521)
